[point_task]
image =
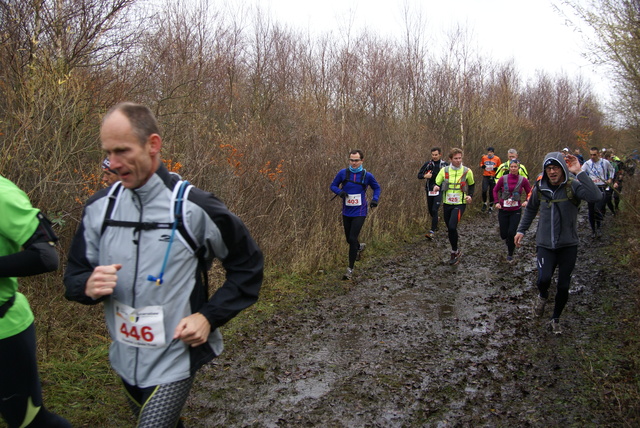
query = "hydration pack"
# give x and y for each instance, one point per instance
(461, 185)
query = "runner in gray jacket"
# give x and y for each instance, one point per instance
(164, 327)
(556, 196)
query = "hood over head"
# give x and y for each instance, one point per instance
(554, 158)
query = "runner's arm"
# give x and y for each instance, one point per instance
(241, 259)
(335, 184)
(373, 183)
(39, 255)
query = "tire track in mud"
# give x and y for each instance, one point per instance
(415, 342)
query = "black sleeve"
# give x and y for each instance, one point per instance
(471, 189)
(39, 255)
(243, 265)
(423, 170)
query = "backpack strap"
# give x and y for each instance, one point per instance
(180, 192)
(568, 189)
(347, 180)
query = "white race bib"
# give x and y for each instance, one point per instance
(353, 200)
(454, 198)
(434, 192)
(142, 327)
(488, 167)
(510, 203)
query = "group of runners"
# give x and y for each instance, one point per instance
(554, 195)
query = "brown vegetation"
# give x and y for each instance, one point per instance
(261, 115)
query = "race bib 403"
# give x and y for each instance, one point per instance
(142, 327)
(353, 200)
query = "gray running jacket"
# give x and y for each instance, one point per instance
(141, 251)
(558, 223)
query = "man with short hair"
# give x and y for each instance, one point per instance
(489, 164)
(163, 328)
(429, 171)
(602, 174)
(351, 185)
(556, 196)
(512, 154)
(456, 184)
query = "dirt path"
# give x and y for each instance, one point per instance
(415, 342)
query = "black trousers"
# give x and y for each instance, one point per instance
(352, 228)
(548, 260)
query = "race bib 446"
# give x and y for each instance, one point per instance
(141, 327)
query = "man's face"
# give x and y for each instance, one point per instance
(354, 160)
(134, 163)
(108, 177)
(456, 160)
(512, 156)
(594, 155)
(555, 174)
(436, 155)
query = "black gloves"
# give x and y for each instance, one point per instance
(343, 194)
(373, 204)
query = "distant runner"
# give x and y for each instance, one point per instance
(456, 184)
(429, 171)
(489, 164)
(351, 185)
(509, 192)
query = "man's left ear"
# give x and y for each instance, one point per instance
(155, 144)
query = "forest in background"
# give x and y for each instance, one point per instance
(264, 115)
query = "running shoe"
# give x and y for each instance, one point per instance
(430, 235)
(455, 258)
(348, 274)
(484, 207)
(510, 259)
(554, 326)
(360, 250)
(538, 306)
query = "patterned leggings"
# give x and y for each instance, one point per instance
(158, 406)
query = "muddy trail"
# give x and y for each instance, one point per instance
(416, 342)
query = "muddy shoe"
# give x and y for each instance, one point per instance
(554, 326)
(360, 250)
(538, 306)
(455, 258)
(510, 260)
(430, 235)
(348, 274)
(484, 207)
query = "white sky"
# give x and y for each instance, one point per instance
(528, 31)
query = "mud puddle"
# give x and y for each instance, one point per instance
(416, 342)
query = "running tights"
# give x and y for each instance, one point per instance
(352, 228)
(433, 205)
(565, 260)
(452, 215)
(20, 391)
(159, 406)
(508, 221)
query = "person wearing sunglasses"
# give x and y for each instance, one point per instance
(351, 185)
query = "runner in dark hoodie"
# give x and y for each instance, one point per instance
(556, 196)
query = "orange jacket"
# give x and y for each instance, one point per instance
(490, 165)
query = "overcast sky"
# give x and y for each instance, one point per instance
(528, 31)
